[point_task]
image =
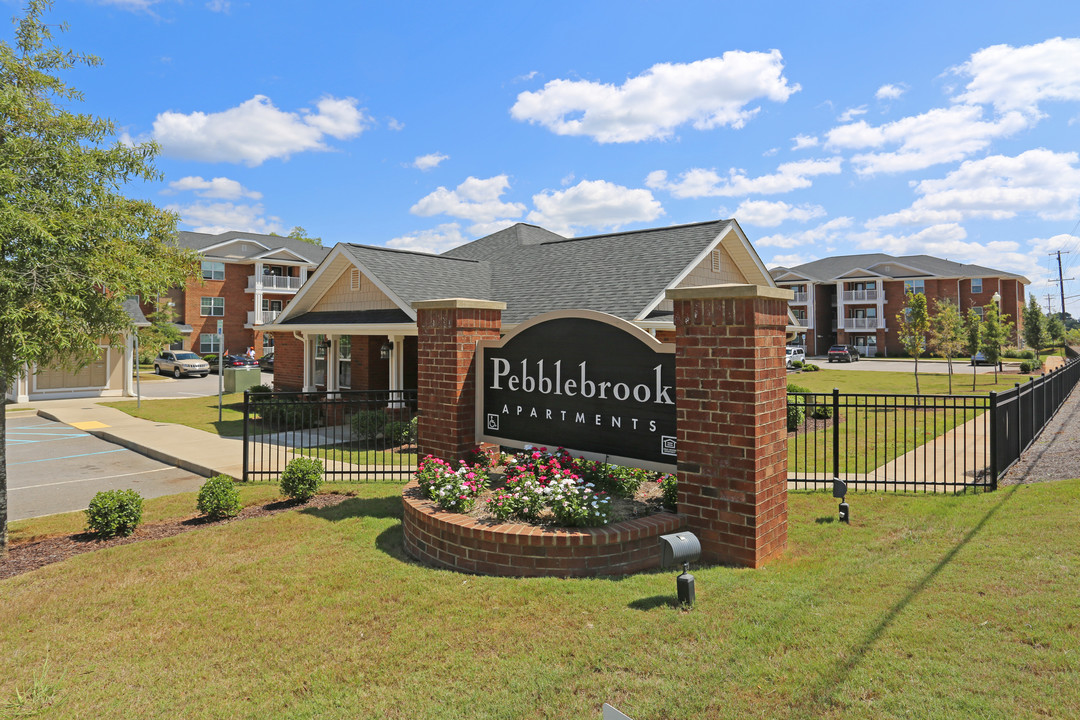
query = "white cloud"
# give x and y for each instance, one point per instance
(851, 113)
(256, 131)
(223, 216)
(221, 6)
(708, 93)
(938, 136)
(890, 92)
(431, 160)
(475, 199)
(825, 233)
(437, 240)
(595, 204)
(997, 187)
(789, 260)
(1019, 78)
(220, 188)
(395, 124)
(804, 141)
(134, 5)
(770, 214)
(699, 182)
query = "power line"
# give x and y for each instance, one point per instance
(1061, 281)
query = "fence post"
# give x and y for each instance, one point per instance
(836, 432)
(245, 473)
(993, 441)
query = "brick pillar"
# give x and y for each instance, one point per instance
(446, 377)
(731, 384)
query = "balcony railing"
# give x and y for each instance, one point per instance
(863, 323)
(261, 317)
(274, 283)
(867, 350)
(800, 298)
(860, 295)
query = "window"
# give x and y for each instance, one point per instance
(976, 285)
(268, 342)
(209, 343)
(799, 313)
(917, 287)
(979, 311)
(213, 270)
(212, 307)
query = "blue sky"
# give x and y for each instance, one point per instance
(824, 128)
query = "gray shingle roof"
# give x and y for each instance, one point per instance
(200, 241)
(414, 276)
(914, 266)
(351, 317)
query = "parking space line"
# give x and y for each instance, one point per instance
(68, 457)
(107, 477)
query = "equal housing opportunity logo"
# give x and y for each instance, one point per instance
(583, 380)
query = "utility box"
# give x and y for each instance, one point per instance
(240, 379)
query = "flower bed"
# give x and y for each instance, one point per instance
(549, 514)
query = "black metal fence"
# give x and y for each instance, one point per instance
(1020, 414)
(358, 435)
(919, 443)
(906, 443)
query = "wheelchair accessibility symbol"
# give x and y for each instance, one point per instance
(493, 421)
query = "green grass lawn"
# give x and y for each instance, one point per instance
(924, 607)
(868, 381)
(200, 413)
(349, 454)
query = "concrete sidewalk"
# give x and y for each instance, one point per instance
(193, 450)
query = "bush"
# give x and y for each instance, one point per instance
(807, 367)
(114, 513)
(618, 480)
(219, 498)
(261, 390)
(454, 490)
(1030, 366)
(288, 414)
(796, 411)
(368, 424)
(821, 412)
(302, 478)
(397, 432)
(1014, 353)
(669, 486)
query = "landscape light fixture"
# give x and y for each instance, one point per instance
(839, 491)
(384, 351)
(685, 548)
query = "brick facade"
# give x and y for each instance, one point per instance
(731, 400)
(288, 363)
(446, 375)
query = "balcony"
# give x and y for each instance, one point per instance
(261, 317)
(867, 350)
(800, 298)
(860, 295)
(863, 323)
(274, 283)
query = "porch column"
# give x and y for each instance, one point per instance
(446, 373)
(331, 364)
(397, 369)
(309, 363)
(731, 404)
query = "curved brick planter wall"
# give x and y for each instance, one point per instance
(459, 542)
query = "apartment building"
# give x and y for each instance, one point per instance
(854, 299)
(245, 281)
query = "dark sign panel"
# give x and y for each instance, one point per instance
(586, 381)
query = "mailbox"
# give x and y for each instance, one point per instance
(679, 549)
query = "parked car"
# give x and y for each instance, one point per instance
(230, 361)
(979, 358)
(266, 362)
(843, 353)
(795, 354)
(180, 363)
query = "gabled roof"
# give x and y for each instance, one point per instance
(414, 276)
(261, 243)
(907, 266)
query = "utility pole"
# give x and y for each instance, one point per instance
(1048, 310)
(1061, 284)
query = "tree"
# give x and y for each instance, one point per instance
(161, 333)
(914, 324)
(1035, 334)
(1055, 328)
(996, 332)
(973, 334)
(72, 246)
(946, 332)
(299, 233)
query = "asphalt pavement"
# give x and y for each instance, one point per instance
(158, 386)
(54, 468)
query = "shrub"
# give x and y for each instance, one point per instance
(454, 490)
(302, 478)
(796, 407)
(289, 414)
(523, 499)
(397, 432)
(261, 390)
(219, 498)
(797, 364)
(1015, 353)
(821, 411)
(114, 513)
(367, 424)
(618, 480)
(807, 367)
(1030, 366)
(669, 486)
(479, 458)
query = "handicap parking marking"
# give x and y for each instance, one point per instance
(68, 457)
(19, 437)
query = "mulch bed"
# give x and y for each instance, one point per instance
(28, 556)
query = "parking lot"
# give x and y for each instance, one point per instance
(157, 386)
(55, 468)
